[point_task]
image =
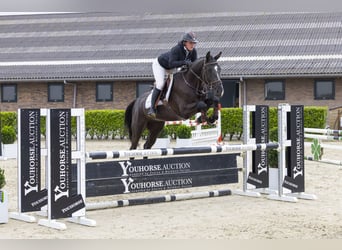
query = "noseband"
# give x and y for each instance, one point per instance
(205, 85)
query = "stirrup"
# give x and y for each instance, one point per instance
(151, 113)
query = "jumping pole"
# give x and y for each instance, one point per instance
(180, 151)
(157, 199)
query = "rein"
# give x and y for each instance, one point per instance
(202, 80)
(197, 90)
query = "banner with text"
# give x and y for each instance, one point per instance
(32, 197)
(63, 204)
(260, 131)
(295, 164)
(132, 176)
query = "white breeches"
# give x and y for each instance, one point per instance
(159, 74)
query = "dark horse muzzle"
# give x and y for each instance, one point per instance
(214, 91)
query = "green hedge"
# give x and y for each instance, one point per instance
(2, 180)
(183, 132)
(315, 117)
(105, 124)
(231, 122)
(8, 119)
(273, 153)
(8, 134)
(109, 124)
(8, 128)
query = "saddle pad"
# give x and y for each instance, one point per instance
(148, 99)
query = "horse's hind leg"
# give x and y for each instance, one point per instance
(136, 134)
(138, 126)
(154, 128)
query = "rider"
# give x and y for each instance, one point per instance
(184, 53)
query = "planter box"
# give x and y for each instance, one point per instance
(181, 142)
(9, 150)
(162, 143)
(3, 207)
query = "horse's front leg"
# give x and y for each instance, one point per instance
(215, 115)
(202, 107)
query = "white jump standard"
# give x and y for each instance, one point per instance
(290, 170)
(57, 200)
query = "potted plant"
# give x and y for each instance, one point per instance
(163, 139)
(183, 133)
(8, 137)
(3, 199)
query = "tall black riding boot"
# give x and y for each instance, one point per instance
(155, 94)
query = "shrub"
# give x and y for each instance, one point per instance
(231, 122)
(273, 153)
(172, 131)
(8, 119)
(315, 117)
(2, 178)
(164, 133)
(8, 135)
(183, 131)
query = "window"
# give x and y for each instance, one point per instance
(275, 90)
(104, 92)
(9, 93)
(56, 92)
(143, 87)
(231, 93)
(324, 90)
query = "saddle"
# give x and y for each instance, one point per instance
(165, 93)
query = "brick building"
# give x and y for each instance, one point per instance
(103, 60)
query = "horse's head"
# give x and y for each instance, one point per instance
(209, 74)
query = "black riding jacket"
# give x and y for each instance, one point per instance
(176, 57)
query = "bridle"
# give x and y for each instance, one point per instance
(205, 86)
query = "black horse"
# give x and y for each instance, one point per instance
(194, 90)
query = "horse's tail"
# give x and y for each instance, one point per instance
(128, 118)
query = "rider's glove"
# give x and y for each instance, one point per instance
(187, 62)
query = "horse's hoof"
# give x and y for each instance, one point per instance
(212, 120)
(201, 121)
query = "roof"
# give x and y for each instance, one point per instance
(75, 46)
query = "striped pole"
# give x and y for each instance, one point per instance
(324, 137)
(323, 131)
(324, 145)
(188, 123)
(193, 123)
(319, 135)
(157, 199)
(323, 134)
(327, 161)
(181, 151)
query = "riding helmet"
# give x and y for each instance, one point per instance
(189, 37)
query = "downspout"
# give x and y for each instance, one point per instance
(75, 95)
(74, 92)
(243, 85)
